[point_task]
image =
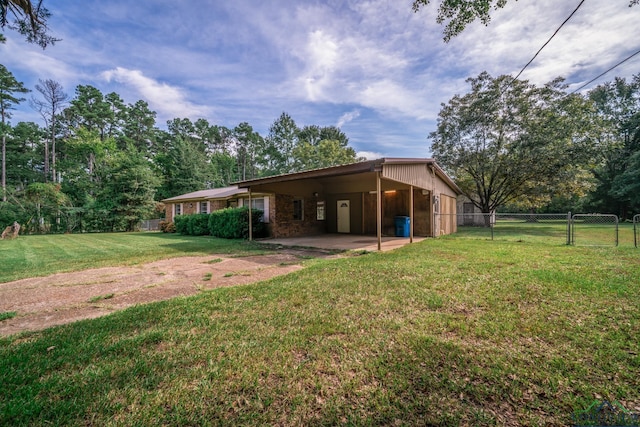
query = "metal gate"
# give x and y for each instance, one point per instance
(594, 230)
(636, 222)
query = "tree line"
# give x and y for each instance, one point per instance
(99, 164)
(512, 145)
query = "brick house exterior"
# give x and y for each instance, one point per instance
(207, 201)
(344, 199)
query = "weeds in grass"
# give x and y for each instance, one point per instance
(100, 298)
(214, 261)
(442, 332)
(7, 315)
(207, 277)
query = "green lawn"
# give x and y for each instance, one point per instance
(444, 332)
(30, 256)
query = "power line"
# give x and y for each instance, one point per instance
(602, 74)
(547, 42)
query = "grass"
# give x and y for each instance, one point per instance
(443, 332)
(552, 232)
(30, 256)
(101, 297)
(7, 315)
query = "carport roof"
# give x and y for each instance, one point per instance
(350, 169)
(213, 193)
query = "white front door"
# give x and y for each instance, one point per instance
(344, 214)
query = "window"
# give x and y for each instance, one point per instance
(298, 209)
(261, 203)
(177, 209)
(204, 207)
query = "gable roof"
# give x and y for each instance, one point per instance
(353, 168)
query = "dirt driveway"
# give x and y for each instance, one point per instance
(42, 302)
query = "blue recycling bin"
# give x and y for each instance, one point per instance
(402, 226)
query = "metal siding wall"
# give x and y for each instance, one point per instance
(413, 174)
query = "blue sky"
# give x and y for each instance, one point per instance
(374, 68)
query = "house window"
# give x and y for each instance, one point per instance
(260, 203)
(204, 207)
(177, 209)
(298, 209)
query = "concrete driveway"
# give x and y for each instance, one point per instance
(343, 242)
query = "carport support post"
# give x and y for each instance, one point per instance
(250, 219)
(378, 211)
(411, 214)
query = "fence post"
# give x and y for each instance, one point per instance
(569, 228)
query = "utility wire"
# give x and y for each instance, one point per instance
(602, 74)
(546, 43)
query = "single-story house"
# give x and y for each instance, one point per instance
(363, 198)
(207, 201)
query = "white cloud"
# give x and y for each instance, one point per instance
(347, 117)
(167, 100)
(370, 155)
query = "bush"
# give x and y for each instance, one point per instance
(197, 224)
(181, 222)
(233, 223)
(167, 226)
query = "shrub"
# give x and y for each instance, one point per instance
(233, 223)
(167, 226)
(197, 224)
(181, 222)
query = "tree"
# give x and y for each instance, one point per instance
(24, 156)
(327, 152)
(248, 146)
(8, 87)
(49, 107)
(89, 110)
(459, 13)
(28, 19)
(509, 140)
(128, 190)
(618, 105)
(277, 156)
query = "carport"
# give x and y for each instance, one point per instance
(360, 199)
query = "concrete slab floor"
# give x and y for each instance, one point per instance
(343, 242)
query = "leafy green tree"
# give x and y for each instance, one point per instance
(128, 189)
(47, 199)
(327, 152)
(182, 164)
(457, 14)
(54, 99)
(247, 148)
(29, 19)
(9, 88)
(277, 156)
(618, 105)
(24, 155)
(139, 126)
(509, 140)
(90, 110)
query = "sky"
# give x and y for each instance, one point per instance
(374, 68)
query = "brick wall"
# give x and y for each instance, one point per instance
(283, 224)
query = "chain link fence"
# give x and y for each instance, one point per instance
(594, 230)
(561, 228)
(149, 225)
(515, 226)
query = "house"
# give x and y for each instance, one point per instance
(207, 201)
(365, 198)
